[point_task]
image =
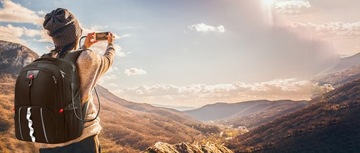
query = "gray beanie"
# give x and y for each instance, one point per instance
(62, 27)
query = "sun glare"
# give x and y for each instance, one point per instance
(268, 6)
(268, 3)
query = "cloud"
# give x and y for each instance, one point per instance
(332, 29)
(15, 34)
(201, 27)
(100, 48)
(41, 13)
(106, 78)
(113, 85)
(201, 94)
(13, 12)
(135, 71)
(292, 7)
(126, 35)
(113, 69)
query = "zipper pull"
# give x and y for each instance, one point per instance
(54, 79)
(31, 77)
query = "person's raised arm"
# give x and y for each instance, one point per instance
(108, 57)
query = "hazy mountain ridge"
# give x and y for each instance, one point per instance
(253, 120)
(249, 114)
(143, 107)
(342, 64)
(340, 78)
(329, 125)
(344, 71)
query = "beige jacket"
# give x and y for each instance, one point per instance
(91, 67)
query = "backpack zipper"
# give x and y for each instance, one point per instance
(58, 103)
(63, 89)
(43, 125)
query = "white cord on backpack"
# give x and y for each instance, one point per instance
(98, 112)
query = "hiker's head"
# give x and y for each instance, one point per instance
(63, 28)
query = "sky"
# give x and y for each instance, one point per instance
(197, 52)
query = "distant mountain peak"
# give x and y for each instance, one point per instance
(14, 57)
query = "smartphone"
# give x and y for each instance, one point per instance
(102, 36)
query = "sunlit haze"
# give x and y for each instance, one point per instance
(192, 53)
(268, 8)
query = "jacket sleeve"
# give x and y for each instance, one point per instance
(107, 59)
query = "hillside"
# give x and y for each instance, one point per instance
(139, 126)
(8, 142)
(331, 124)
(342, 64)
(14, 56)
(340, 78)
(249, 114)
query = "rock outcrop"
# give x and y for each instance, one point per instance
(14, 57)
(161, 147)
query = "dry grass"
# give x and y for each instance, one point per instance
(8, 142)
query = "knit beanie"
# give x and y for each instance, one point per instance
(62, 27)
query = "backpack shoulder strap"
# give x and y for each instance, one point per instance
(47, 55)
(74, 55)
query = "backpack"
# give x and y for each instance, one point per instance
(48, 106)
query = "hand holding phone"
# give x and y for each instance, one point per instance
(102, 36)
(94, 37)
(105, 36)
(110, 38)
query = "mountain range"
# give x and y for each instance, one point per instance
(330, 124)
(249, 114)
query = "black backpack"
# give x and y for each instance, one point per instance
(48, 105)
